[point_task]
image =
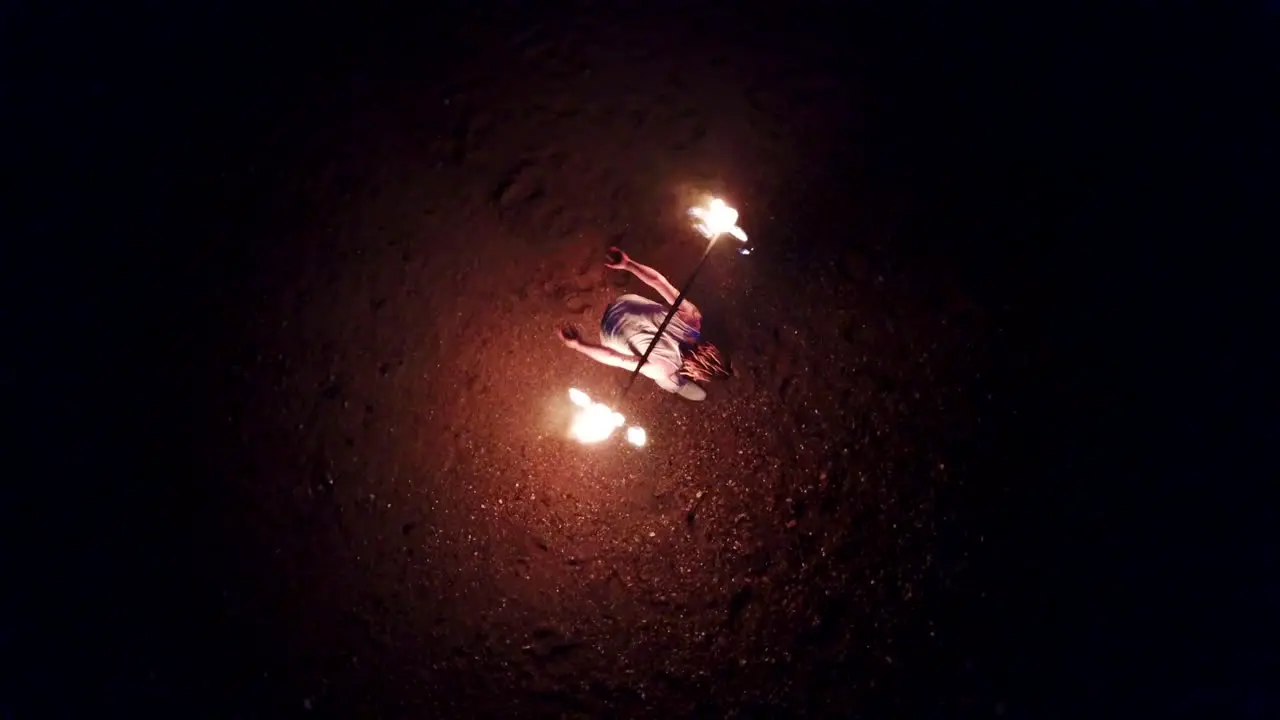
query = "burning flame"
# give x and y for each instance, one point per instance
(596, 421)
(715, 219)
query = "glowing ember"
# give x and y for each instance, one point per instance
(595, 421)
(715, 219)
(636, 436)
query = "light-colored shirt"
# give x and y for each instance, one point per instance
(631, 323)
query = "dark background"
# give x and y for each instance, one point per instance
(1088, 180)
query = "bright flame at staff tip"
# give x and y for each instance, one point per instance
(715, 219)
(595, 421)
(636, 436)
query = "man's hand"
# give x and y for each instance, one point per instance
(569, 335)
(615, 259)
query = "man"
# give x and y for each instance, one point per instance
(630, 324)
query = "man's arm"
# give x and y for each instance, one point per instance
(655, 369)
(659, 282)
(605, 355)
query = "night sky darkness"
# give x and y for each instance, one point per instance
(287, 439)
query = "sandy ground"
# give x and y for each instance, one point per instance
(801, 540)
(381, 512)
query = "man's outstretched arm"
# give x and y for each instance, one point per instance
(655, 369)
(658, 282)
(570, 336)
(605, 355)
